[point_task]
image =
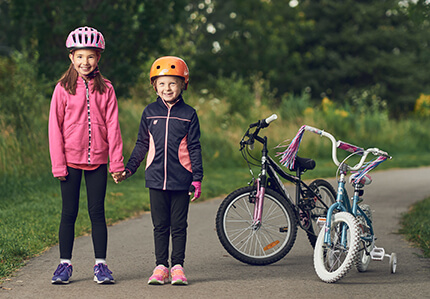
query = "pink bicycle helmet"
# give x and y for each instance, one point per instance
(85, 38)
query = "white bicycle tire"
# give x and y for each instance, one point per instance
(335, 255)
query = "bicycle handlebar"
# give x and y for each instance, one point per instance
(347, 147)
(259, 125)
(264, 122)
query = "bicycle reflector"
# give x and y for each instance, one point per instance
(271, 245)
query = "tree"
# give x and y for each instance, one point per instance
(358, 46)
(132, 29)
(344, 50)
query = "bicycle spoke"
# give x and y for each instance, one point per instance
(253, 242)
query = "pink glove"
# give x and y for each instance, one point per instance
(195, 187)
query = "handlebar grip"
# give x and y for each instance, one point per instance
(314, 130)
(267, 121)
(271, 118)
(378, 152)
(349, 147)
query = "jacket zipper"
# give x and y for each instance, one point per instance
(89, 121)
(165, 149)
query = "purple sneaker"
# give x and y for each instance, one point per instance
(102, 274)
(62, 274)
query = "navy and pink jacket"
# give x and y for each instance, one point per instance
(170, 137)
(84, 128)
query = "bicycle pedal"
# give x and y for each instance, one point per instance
(377, 254)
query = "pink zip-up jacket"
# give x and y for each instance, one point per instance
(84, 128)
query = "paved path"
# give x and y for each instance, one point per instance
(214, 274)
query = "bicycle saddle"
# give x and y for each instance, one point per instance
(304, 164)
(366, 180)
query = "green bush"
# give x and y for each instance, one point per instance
(23, 119)
(416, 226)
(31, 201)
(293, 107)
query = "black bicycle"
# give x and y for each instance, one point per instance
(258, 224)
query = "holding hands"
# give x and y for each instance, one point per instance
(120, 176)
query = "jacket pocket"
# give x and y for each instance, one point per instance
(76, 137)
(99, 140)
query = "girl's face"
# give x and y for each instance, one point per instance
(84, 61)
(169, 88)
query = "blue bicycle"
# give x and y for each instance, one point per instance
(348, 237)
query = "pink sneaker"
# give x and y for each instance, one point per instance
(178, 276)
(159, 276)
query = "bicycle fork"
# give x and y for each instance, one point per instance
(258, 207)
(261, 188)
(341, 194)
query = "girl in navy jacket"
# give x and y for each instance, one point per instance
(169, 134)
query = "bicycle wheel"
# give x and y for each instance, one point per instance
(363, 259)
(332, 262)
(256, 244)
(328, 197)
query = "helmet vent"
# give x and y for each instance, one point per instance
(85, 37)
(172, 66)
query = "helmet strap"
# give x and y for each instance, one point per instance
(93, 74)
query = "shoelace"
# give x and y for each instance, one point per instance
(159, 271)
(61, 268)
(178, 272)
(103, 269)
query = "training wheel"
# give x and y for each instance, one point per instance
(393, 262)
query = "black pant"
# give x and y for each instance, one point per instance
(169, 212)
(96, 191)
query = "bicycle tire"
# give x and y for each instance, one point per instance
(328, 196)
(363, 260)
(262, 245)
(332, 263)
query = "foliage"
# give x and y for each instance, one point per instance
(23, 117)
(28, 189)
(132, 30)
(422, 106)
(331, 49)
(416, 226)
(295, 107)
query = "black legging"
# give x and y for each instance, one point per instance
(96, 191)
(169, 213)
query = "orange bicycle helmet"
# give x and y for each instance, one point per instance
(169, 66)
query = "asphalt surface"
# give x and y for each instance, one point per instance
(212, 273)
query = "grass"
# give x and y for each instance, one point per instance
(416, 226)
(30, 211)
(30, 204)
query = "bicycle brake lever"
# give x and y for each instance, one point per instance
(251, 145)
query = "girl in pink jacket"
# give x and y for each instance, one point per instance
(83, 133)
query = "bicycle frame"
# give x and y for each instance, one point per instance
(258, 224)
(343, 204)
(269, 171)
(342, 201)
